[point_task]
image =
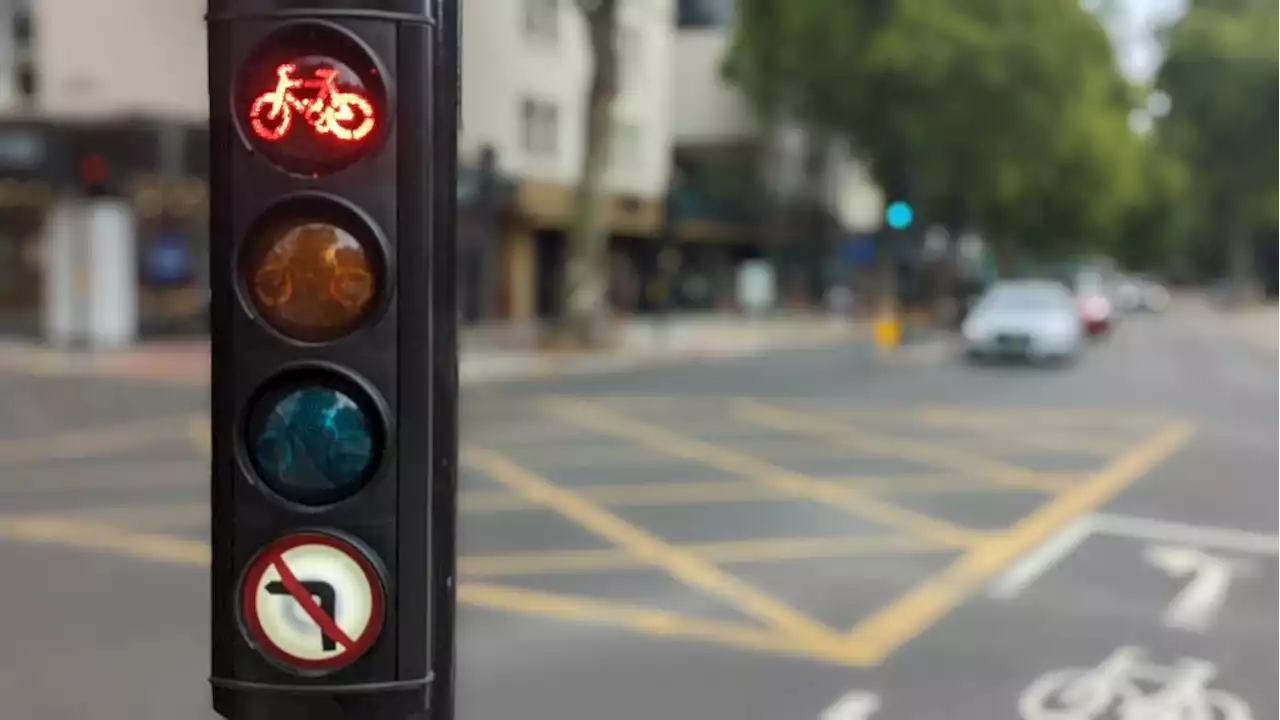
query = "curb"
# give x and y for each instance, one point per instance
(602, 365)
(43, 362)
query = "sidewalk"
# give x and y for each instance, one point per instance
(1259, 326)
(488, 354)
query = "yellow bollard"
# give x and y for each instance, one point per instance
(888, 331)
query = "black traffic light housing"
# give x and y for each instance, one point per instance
(334, 357)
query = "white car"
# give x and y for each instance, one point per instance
(1035, 320)
(1143, 294)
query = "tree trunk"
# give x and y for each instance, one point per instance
(585, 320)
(1241, 265)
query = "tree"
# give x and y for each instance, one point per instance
(585, 310)
(1014, 111)
(1153, 234)
(1220, 71)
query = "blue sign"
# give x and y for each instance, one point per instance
(169, 259)
(899, 215)
(858, 251)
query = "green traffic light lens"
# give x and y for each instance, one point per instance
(315, 442)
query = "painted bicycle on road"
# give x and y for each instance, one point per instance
(1126, 687)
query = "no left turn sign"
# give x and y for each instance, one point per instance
(312, 602)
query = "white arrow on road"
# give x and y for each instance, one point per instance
(856, 705)
(1196, 607)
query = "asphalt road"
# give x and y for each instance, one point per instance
(807, 534)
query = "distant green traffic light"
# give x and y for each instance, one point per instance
(899, 215)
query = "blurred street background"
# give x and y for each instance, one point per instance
(745, 462)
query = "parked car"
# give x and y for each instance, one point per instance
(1033, 320)
(1096, 313)
(1140, 293)
(1094, 304)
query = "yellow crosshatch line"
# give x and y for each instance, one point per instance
(1014, 435)
(1092, 420)
(731, 551)
(867, 644)
(1019, 428)
(177, 516)
(923, 453)
(198, 430)
(648, 621)
(863, 505)
(681, 565)
(111, 439)
(886, 630)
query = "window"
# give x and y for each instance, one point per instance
(27, 84)
(626, 153)
(630, 45)
(705, 13)
(22, 26)
(539, 127)
(542, 19)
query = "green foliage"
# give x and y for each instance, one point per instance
(1221, 73)
(1013, 110)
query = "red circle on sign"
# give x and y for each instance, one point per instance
(272, 556)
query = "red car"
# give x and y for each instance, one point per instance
(1095, 314)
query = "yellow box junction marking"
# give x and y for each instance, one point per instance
(786, 632)
(599, 420)
(682, 565)
(880, 634)
(922, 453)
(578, 561)
(111, 439)
(1015, 435)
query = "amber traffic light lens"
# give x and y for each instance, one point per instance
(312, 281)
(311, 99)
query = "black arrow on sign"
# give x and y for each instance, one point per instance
(326, 597)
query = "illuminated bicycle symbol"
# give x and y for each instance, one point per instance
(328, 110)
(1127, 688)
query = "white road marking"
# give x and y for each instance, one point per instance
(1181, 533)
(1035, 563)
(855, 705)
(1040, 560)
(1209, 577)
(1128, 687)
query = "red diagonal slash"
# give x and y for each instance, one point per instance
(309, 605)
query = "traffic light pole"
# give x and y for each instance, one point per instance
(334, 398)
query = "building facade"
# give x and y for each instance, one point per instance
(788, 196)
(81, 93)
(78, 83)
(525, 69)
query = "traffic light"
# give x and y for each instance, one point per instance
(899, 215)
(334, 353)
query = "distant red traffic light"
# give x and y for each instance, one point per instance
(93, 171)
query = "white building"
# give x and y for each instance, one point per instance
(526, 66)
(525, 69)
(70, 59)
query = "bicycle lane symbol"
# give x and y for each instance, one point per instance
(312, 602)
(1118, 689)
(345, 115)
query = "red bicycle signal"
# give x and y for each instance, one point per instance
(312, 99)
(318, 101)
